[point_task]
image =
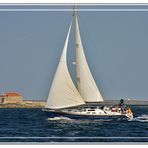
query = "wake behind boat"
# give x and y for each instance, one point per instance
(69, 101)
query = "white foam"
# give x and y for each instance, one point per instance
(59, 118)
(142, 118)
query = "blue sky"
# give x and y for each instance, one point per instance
(115, 44)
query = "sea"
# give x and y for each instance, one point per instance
(32, 125)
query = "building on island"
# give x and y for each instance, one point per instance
(11, 98)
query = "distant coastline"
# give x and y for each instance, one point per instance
(25, 104)
(41, 103)
(127, 102)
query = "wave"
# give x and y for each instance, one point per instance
(66, 119)
(142, 118)
(58, 118)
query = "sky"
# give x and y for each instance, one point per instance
(115, 44)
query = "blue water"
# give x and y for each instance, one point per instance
(32, 125)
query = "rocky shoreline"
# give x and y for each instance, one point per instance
(24, 104)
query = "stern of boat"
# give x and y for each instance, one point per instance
(129, 113)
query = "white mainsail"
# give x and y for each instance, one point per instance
(63, 92)
(85, 82)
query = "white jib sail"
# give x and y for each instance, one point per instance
(85, 82)
(63, 92)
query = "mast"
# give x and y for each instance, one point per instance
(74, 10)
(86, 85)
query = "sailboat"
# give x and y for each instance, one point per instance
(66, 99)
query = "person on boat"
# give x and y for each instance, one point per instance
(122, 105)
(119, 107)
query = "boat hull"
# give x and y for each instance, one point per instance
(51, 114)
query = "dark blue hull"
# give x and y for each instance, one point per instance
(71, 116)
